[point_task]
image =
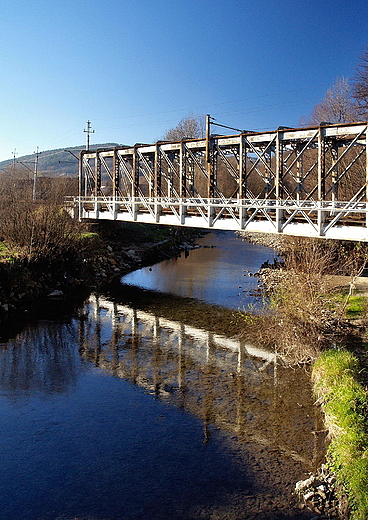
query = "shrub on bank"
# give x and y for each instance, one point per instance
(309, 313)
(345, 405)
(308, 308)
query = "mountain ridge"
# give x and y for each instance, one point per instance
(55, 162)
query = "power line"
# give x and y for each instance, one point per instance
(211, 105)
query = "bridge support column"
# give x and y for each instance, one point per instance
(182, 170)
(157, 172)
(182, 213)
(210, 214)
(321, 164)
(97, 208)
(279, 188)
(242, 214)
(135, 207)
(82, 185)
(97, 175)
(116, 174)
(158, 209)
(242, 182)
(79, 209)
(321, 219)
(115, 206)
(279, 218)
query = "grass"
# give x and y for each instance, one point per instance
(6, 254)
(356, 306)
(345, 404)
(3, 250)
(89, 235)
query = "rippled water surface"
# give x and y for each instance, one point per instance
(124, 410)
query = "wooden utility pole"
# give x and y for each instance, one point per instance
(35, 171)
(14, 154)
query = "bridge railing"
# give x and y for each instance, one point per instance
(345, 220)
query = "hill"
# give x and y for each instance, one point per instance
(58, 162)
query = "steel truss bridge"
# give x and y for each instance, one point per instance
(307, 182)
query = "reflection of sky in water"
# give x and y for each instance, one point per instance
(216, 275)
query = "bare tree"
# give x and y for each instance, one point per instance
(15, 183)
(360, 85)
(190, 127)
(337, 106)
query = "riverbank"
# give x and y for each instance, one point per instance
(106, 252)
(114, 253)
(340, 364)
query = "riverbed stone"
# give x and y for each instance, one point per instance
(318, 493)
(56, 293)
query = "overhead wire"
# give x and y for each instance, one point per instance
(169, 121)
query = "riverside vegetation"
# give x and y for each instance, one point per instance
(315, 317)
(43, 251)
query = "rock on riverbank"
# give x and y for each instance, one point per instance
(319, 493)
(264, 239)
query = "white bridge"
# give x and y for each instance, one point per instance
(306, 182)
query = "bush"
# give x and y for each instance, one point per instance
(302, 298)
(39, 231)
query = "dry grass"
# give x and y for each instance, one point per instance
(305, 315)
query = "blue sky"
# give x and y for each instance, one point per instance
(135, 68)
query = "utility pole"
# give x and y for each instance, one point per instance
(208, 136)
(35, 173)
(88, 131)
(14, 154)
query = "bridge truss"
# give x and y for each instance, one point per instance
(307, 182)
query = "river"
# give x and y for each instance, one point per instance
(135, 404)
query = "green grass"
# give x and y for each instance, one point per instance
(356, 307)
(3, 249)
(6, 254)
(89, 235)
(345, 404)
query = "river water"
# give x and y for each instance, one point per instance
(136, 405)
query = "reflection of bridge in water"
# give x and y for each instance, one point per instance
(225, 382)
(307, 182)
